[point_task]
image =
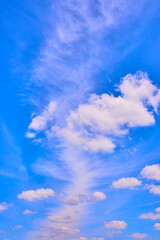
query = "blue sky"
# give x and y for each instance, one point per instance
(80, 98)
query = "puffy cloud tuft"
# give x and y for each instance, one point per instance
(150, 215)
(99, 196)
(4, 206)
(155, 189)
(129, 182)
(158, 209)
(39, 122)
(151, 172)
(17, 227)
(39, 194)
(97, 239)
(27, 212)
(116, 224)
(157, 226)
(75, 199)
(138, 235)
(92, 124)
(81, 238)
(113, 233)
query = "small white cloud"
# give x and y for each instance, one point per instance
(113, 233)
(97, 239)
(155, 189)
(75, 199)
(138, 235)
(39, 194)
(129, 182)
(40, 122)
(17, 227)
(99, 196)
(157, 226)
(150, 215)
(4, 206)
(151, 172)
(27, 211)
(59, 219)
(138, 87)
(66, 230)
(30, 135)
(158, 209)
(81, 238)
(116, 224)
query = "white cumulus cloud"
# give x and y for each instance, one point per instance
(92, 124)
(158, 209)
(151, 172)
(155, 189)
(97, 239)
(39, 122)
(113, 233)
(157, 226)
(81, 238)
(4, 206)
(39, 194)
(27, 211)
(17, 227)
(129, 182)
(116, 224)
(99, 196)
(138, 235)
(150, 215)
(75, 199)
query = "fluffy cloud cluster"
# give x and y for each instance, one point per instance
(75, 199)
(116, 224)
(129, 182)
(4, 206)
(99, 196)
(157, 226)
(155, 189)
(80, 198)
(92, 124)
(150, 215)
(17, 227)
(84, 238)
(81, 238)
(27, 212)
(138, 235)
(113, 233)
(158, 209)
(151, 172)
(38, 194)
(97, 239)
(39, 122)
